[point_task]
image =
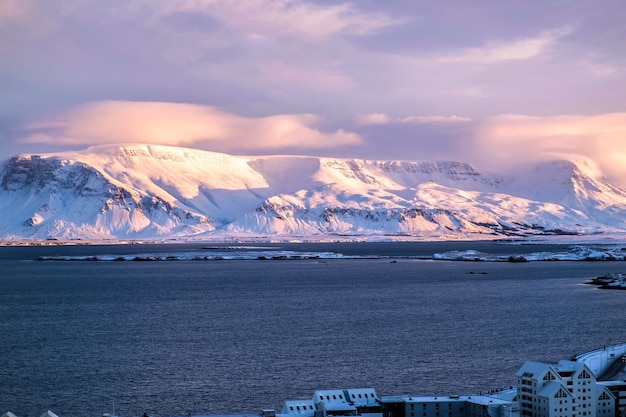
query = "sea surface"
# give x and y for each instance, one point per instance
(173, 338)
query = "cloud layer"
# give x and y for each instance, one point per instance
(499, 143)
(179, 124)
(510, 140)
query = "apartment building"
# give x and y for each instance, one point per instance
(564, 389)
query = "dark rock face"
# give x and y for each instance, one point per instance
(59, 186)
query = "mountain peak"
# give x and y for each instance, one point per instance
(575, 165)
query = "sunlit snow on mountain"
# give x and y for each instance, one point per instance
(157, 192)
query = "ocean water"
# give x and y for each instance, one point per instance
(175, 338)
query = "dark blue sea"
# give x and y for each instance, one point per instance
(234, 336)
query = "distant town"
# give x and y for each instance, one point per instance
(589, 384)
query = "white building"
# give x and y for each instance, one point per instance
(451, 406)
(363, 402)
(565, 389)
(618, 389)
(329, 403)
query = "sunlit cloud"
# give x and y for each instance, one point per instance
(510, 140)
(515, 50)
(382, 118)
(372, 119)
(179, 124)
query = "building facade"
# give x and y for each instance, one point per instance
(363, 402)
(565, 389)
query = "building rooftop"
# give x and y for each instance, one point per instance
(478, 399)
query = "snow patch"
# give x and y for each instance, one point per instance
(576, 253)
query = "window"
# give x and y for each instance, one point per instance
(549, 377)
(560, 394)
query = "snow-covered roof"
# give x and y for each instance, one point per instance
(333, 400)
(339, 406)
(362, 396)
(329, 395)
(504, 394)
(476, 399)
(486, 400)
(49, 414)
(612, 383)
(226, 415)
(598, 360)
(605, 389)
(533, 368)
(300, 407)
(552, 387)
(438, 399)
(565, 365)
(8, 414)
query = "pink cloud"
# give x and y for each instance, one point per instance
(510, 140)
(178, 124)
(515, 50)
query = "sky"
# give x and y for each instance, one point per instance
(496, 83)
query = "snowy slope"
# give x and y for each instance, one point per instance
(147, 191)
(576, 184)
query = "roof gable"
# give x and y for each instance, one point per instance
(362, 396)
(535, 370)
(298, 407)
(555, 389)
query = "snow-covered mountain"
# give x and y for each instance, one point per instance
(147, 192)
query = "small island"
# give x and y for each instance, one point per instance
(615, 281)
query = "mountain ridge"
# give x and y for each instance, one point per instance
(112, 192)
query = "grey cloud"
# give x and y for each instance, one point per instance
(415, 141)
